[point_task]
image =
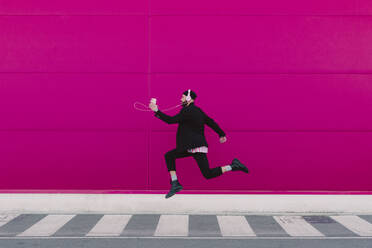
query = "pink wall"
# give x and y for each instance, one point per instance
(293, 77)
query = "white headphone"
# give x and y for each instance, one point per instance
(188, 97)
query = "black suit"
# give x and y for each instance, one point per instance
(190, 131)
(190, 134)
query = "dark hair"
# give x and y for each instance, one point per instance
(192, 94)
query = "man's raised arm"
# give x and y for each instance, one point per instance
(166, 118)
(180, 117)
(212, 124)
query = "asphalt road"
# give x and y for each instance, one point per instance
(265, 242)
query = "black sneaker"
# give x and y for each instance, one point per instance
(176, 187)
(237, 165)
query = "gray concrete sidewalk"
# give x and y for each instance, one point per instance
(185, 204)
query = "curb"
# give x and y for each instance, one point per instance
(185, 204)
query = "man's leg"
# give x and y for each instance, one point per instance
(170, 159)
(203, 163)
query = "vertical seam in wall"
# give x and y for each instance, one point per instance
(149, 92)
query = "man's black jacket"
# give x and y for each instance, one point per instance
(190, 132)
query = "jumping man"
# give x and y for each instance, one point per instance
(190, 141)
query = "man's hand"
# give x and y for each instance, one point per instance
(153, 107)
(223, 139)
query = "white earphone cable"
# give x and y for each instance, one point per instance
(134, 105)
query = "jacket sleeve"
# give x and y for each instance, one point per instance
(212, 124)
(180, 117)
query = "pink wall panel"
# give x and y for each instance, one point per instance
(365, 7)
(308, 160)
(236, 7)
(73, 43)
(77, 160)
(73, 7)
(262, 44)
(289, 82)
(326, 102)
(72, 100)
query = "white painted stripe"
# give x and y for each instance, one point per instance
(5, 218)
(355, 224)
(110, 225)
(234, 226)
(172, 225)
(297, 226)
(48, 225)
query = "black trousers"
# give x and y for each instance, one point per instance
(201, 160)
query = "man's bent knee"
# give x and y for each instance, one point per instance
(207, 175)
(168, 155)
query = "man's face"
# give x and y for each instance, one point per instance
(183, 100)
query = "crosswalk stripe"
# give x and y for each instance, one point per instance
(297, 226)
(80, 225)
(172, 225)
(265, 226)
(203, 225)
(47, 226)
(110, 225)
(182, 225)
(234, 226)
(355, 224)
(141, 225)
(5, 218)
